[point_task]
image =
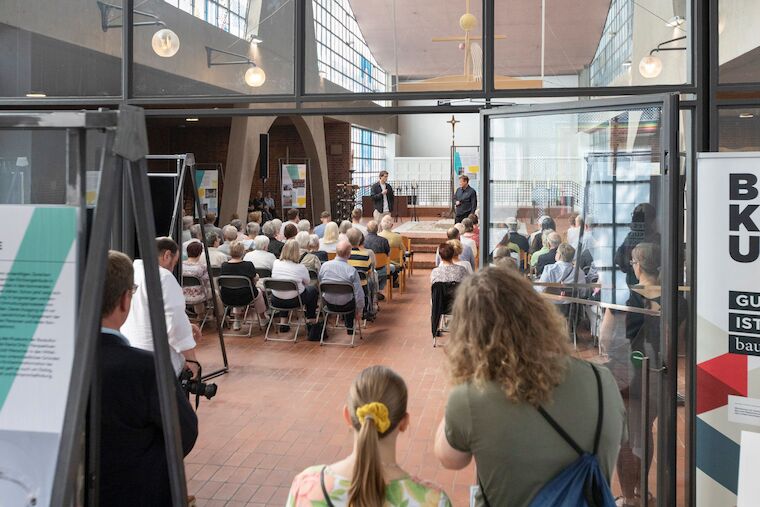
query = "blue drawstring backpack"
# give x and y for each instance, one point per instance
(582, 483)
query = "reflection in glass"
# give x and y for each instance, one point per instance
(577, 196)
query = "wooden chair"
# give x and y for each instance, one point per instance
(331, 256)
(397, 256)
(407, 241)
(382, 262)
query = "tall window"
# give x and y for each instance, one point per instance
(343, 56)
(368, 149)
(613, 55)
(228, 15)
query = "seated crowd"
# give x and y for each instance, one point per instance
(291, 250)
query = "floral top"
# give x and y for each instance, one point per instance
(196, 294)
(306, 491)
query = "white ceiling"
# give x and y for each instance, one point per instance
(573, 29)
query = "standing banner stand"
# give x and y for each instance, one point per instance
(185, 166)
(293, 184)
(728, 329)
(208, 187)
(124, 153)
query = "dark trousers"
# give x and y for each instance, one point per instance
(459, 218)
(309, 297)
(348, 318)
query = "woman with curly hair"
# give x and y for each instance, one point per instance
(508, 356)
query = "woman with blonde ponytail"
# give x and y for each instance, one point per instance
(370, 476)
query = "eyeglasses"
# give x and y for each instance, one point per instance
(133, 290)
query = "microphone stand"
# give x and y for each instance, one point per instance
(414, 202)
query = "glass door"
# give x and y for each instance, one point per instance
(589, 184)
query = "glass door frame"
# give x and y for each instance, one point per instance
(671, 203)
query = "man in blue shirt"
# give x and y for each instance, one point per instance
(339, 270)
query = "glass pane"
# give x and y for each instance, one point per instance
(739, 41)
(226, 47)
(59, 49)
(390, 45)
(739, 129)
(584, 191)
(622, 43)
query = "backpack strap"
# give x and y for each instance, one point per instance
(600, 418)
(324, 489)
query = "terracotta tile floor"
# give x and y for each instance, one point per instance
(279, 409)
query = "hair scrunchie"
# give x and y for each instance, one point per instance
(378, 412)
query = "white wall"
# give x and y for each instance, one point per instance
(738, 19)
(428, 135)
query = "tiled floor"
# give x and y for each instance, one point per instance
(279, 409)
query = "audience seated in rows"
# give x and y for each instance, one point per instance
(196, 295)
(329, 240)
(209, 222)
(514, 236)
(289, 231)
(447, 270)
(288, 267)
(304, 226)
(503, 256)
(269, 229)
(187, 222)
(466, 241)
(344, 227)
(379, 244)
(549, 257)
(458, 249)
(325, 219)
(562, 271)
(229, 234)
(255, 216)
(239, 298)
(313, 248)
(574, 232)
(277, 228)
(339, 270)
(308, 259)
(466, 255)
(260, 256)
(293, 217)
(469, 234)
(504, 366)
(376, 411)
(133, 466)
(216, 256)
(544, 248)
(252, 229)
(536, 240)
(364, 262)
(356, 221)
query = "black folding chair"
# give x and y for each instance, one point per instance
(278, 284)
(264, 273)
(208, 309)
(337, 288)
(442, 298)
(235, 282)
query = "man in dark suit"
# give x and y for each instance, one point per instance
(382, 196)
(465, 199)
(549, 257)
(133, 464)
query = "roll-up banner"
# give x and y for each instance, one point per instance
(728, 330)
(293, 186)
(38, 294)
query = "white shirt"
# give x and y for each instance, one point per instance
(361, 228)
(261, 259)
(466, 265)
(572, 236)
(471, 243)
(385, 199)
(327, 247)
(137, 326)
(289, 270)
(217, 257)
(282, 229)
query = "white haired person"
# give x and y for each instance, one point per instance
(376, 412)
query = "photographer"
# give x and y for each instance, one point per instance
(182, 335)
(133, 466)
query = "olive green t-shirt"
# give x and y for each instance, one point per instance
(516, 450)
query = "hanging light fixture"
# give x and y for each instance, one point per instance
(651, 66)
(255, 76)
(165, 43)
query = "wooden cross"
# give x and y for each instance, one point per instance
(453, 122)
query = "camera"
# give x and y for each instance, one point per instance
(196, 386)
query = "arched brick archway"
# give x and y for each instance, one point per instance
(244, 153)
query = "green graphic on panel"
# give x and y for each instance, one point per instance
(29, 286)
